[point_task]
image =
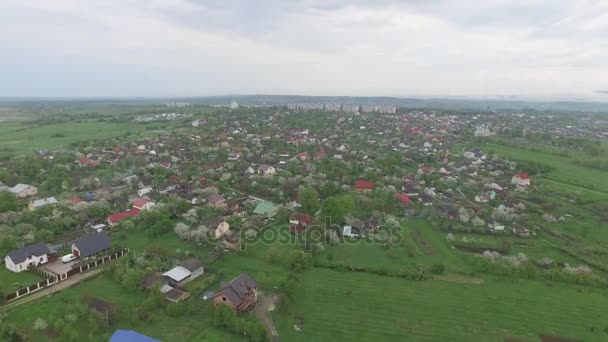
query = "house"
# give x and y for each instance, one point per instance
(521, 231)
(351, 232)
(364, 186)
(115, 218)
(218, 225)
(195, 267)
(299, 221)
(143, 204)
(266, 170)
(185, 272)
(216, 201)
(404, 199)
(144, 191)
(42, 202)
(303, 156)
(24, 190)
(265, 209)
(130, 336)
(249, 171)
(74, 200)
(521, 179)
(91, 245)
(20, 259)
(240, 294)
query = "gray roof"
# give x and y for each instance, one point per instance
(238, 288)
(42, 202)
(37, 249)
(93, 244)
(18, 188)
(191, 264)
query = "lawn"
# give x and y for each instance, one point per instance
(365, 307)
(160, 325)
(11, 281)
(18, 137)
(564, 168)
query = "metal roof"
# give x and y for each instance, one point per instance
(178, 273)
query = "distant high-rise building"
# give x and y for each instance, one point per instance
(234, 104)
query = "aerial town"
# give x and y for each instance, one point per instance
(236, 220)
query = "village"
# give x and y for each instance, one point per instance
(163, 213)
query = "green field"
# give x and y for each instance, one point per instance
(159, 325)
(11, 281)
(564, 168)
(363, 307)
(19, 137)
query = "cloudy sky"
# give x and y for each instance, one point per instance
(544, 48)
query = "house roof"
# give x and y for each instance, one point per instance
(37, 249)
(140, 202)
(123, 215)
(263, 208)
(42, 202)
(363, 184)
(304, 219)
(178, 273)
(405, 199)
(19, 188)
(523, 175)
(264, 167)
(238, 288)
(213, 222)
(130, 336)
(214, 198)
(191, 264)
(74, 200)
(92, 244)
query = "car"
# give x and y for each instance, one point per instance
(67, 258)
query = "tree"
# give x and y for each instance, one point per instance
(309, 199)
(336, 208)
(8, 202)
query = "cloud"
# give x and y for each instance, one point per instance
(335, 47)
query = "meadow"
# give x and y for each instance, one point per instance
(11, 281)
(564, 168)
(363, 307)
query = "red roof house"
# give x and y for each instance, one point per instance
(299, 221)
(303, 155)
(363, 185)
(320, 155)
(142, 204)
(403, 199)
(115, 218)
(74, 200)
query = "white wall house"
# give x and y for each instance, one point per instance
(21, 259)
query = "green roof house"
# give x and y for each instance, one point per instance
(266, 209)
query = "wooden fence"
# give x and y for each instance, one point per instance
(53, 279)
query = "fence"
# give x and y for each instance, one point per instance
(53, 279)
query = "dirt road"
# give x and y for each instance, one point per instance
(266, 304)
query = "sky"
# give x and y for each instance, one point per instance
(407, 48)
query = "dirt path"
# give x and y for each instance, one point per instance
(50, 290)
(266, 304)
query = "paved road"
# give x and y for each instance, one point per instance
(52, 289)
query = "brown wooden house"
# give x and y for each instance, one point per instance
(240, 294)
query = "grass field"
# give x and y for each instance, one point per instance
(564, 169)
(11, 281)
(159, 325)
(364, 307)
(25, 137)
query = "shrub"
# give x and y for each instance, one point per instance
(437, 268)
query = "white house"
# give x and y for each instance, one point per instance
(351, 232)
(521, 179)
(20, 259)
(266, 170)
(144, 191)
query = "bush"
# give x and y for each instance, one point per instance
(437, 268)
